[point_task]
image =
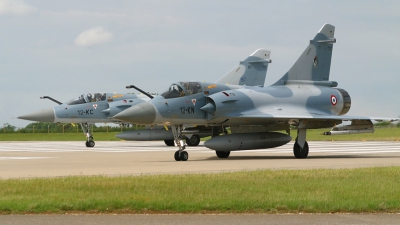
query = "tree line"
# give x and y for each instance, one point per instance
(41, 127)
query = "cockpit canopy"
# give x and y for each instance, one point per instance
(86, 98)
(181, 89)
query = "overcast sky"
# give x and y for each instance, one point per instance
(66, 48)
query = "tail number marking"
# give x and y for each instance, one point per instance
(187, 110)
(85, 112)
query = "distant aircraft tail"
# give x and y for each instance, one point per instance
(315, 62)
(250, 72)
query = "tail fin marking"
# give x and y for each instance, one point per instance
(315, 62)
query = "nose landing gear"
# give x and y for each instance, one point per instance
(181, 154)
(86, 130)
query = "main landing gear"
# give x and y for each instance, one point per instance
(222, 155)
(300, 148)
(169, 142)
(181, 154)
(86, 130)
(194, 140)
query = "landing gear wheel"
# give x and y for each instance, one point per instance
(86, 130)
(300, 153)
(169, 142)
(222, 154)
(193, 141)
(90, 144)
(182, 156)
(176, 156)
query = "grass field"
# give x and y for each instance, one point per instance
(366, 190)
(381, 134)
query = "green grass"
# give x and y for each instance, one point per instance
(363, 190)
(103, 136)
(381, 134)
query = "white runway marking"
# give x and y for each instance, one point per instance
(19, 158)
(158, 146)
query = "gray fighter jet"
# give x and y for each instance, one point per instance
(86, 109)
(303, 98)
(250, 72)
(92, 108)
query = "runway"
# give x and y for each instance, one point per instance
(56, 159)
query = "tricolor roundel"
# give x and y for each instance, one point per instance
(333, 100)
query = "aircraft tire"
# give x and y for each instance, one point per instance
(222, 155)
(90, 144)
(184, 156)
(176, 156)
(193, 141)
(300, 153)
(169, 142)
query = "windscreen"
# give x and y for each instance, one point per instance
(86, 98)
(182, 89)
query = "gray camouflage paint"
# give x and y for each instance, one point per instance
(303, 97)
(304, 92)
(76, 111)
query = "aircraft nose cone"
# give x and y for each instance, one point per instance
(44, 115)
(143, 113)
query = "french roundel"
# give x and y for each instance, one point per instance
(333, 100)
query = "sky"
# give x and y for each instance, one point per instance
(65, 48)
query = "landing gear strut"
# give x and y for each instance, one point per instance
(300, 148)
(86, 130)
(181, 154)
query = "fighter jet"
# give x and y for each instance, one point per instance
(87, 109)
(250, 72)
(303, 98)
(92, 108)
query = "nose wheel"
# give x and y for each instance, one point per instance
(86, 130)
(181, 155)
(90, 143)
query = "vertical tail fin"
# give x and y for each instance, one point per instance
(250, 72)
(315, 62)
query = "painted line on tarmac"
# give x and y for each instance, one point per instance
(126, 147)
(23, 158)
